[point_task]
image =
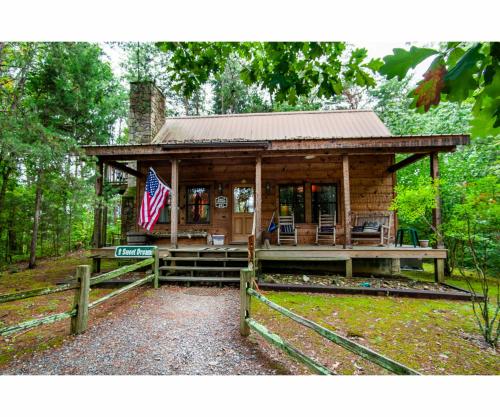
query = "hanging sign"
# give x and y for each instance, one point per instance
(221, 201)
(134, 251)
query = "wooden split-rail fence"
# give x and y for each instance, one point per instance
(247, 323)
(80, 310)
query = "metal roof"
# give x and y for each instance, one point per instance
(338, 124)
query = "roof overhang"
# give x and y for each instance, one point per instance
(391, 145)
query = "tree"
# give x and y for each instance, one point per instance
(287, 70)
(475, 221)
(460, 73)
(57, 96)
(145, 62)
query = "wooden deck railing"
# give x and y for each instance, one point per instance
(81, 305)
(247, 291)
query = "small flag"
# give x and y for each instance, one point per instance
(272, 225)
(155, 197)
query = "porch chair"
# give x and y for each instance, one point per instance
(286, 229)
(326, 230)
(374, 226)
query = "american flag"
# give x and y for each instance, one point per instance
(155, 197)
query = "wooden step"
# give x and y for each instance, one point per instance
(200, 268)
(172, 278)
(203, 259)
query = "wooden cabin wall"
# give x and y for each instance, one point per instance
(371, 187)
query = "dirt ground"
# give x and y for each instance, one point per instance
(172, 330)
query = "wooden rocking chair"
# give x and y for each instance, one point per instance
(326, 228)
(286, 230)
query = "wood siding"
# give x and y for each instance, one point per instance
(371, 187)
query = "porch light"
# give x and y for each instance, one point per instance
(220, 188)
(268, 188)
(309, 156)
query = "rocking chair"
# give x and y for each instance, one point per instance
(286, 230)
(326, 228)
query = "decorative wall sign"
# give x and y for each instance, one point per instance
(221, 201)
(134, 251)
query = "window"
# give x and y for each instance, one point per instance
(324, 199)
(292, 201)
(243, 200)
(198, 205)
(165, 213)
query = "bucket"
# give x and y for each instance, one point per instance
(218, 239)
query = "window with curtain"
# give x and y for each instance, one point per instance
(324, 199)
(292, 201)
(198, 204)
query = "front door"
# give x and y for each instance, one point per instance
(243, 208)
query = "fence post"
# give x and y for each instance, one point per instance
(245, 299)
(156, 267)
(79, 322)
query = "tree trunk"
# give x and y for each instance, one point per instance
(36, 221)
(5, 179)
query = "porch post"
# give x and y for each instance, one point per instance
(436, 213)
(258, 200)
(347, 201)
(436, 219)
(174, 201)
(98, 208)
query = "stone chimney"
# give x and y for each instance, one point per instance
(146, 113)
(146, 117)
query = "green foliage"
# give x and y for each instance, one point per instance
(460, 73)
(414, 202)
(402, 61)
(287, 70)
(54, 97)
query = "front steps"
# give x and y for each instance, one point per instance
(206, 264)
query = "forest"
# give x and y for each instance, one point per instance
(56, 97)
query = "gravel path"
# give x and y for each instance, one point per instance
(172, 330)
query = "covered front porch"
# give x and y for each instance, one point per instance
(227, 260)
(204, 179)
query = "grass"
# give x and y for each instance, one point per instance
(48, 273)
(456, 279)
(430, 336)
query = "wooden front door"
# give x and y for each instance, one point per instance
(243, 208)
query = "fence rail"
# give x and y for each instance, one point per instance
(246, 323)
(81, 305)
(4, 298)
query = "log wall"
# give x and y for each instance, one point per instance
(372, 187)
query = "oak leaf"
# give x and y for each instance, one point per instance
(428, 92)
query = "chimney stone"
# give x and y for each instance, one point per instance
(146, 113)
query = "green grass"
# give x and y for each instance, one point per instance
(47, 274)
(456, 279)
(431, 336)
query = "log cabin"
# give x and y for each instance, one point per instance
(231, 175)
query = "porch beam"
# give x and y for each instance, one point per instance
(407, 161)
(125, 168)
(174, 201)
(347, 201)
(258, 200)
(98, 206)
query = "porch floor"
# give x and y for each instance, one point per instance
(284, 252)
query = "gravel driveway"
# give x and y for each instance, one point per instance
(172, 330)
